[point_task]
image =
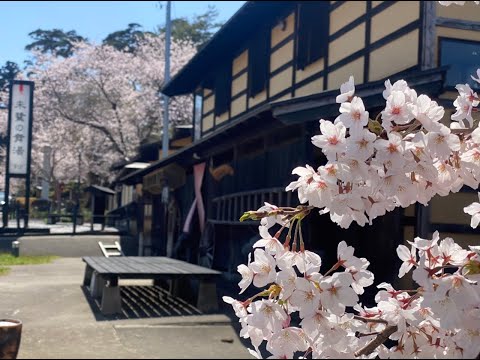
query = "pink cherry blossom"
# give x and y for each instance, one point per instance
(347, 89)
(473, 210)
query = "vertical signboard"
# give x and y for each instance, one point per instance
(19, 139)
(20, 123)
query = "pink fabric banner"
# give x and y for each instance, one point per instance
(188, 220)
(198, 173)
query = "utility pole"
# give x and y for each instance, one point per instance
(168, 30)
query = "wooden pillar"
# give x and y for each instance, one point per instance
(93, 211)
(428, 34)
(422, 216)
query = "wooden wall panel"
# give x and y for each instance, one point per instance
(208, 104)
(221, 118)
(345, 14)
(393, 18)
(347, 44)
(284, 97)
(206, 92)
(281, 81)
(259, 98)
(239, 105)
(239, 84)
(313, 87)
(279, 33)
(391, 58)
(281, 56)
(394, 57)
(240, 62)
(207, 123)
(310, 70)
(339, 76)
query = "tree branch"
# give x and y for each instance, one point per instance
(379, 340)
(369, 320)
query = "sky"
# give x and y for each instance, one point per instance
(91, 19)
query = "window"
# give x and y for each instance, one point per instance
(223, 89)
(258, 63)
(197, 116)
(313, 31)
(463, 58)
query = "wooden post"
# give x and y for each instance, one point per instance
(93, 211)
(428, 34)
(422, 215)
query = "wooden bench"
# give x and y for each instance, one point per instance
(102, 275)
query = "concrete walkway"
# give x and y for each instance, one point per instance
(59, 322)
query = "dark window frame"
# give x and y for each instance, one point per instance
(223, 89)
(441, 41)
(258, 66)
(312, 32)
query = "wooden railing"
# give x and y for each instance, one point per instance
(228, 209)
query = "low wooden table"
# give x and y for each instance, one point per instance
(102, 275)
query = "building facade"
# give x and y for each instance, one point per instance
(261, 84)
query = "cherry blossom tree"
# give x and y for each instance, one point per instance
(100, 103)
(403, 156)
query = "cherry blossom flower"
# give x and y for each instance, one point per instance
(337, 294)
(247, 277)
(441, 143)
(473, 210)
(268, 315)
(448, 3)
(347, 90)
(263, 268)
(360, 145)
(427, 112)
(286, 342)
(332, 140)
(345, 256)
(306, 297)
(271, 244)
(409, 259)
(353, 115)
(397, 110)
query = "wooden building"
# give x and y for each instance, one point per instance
(261, 84)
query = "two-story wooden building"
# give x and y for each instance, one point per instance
(261, 84)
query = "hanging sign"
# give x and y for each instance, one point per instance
(20, 127)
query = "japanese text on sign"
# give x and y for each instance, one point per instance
(19, 129)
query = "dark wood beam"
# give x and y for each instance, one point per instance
(458, 24)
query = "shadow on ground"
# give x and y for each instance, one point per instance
(140, 302)
(155, 302)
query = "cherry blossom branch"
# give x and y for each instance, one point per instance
(370, 320)
(360, 335)
(379, 340)
(288, 213)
